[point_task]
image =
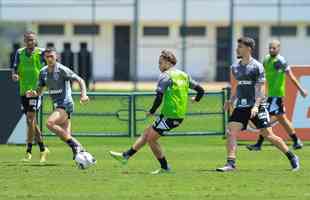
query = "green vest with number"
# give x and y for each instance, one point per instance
(176, 96)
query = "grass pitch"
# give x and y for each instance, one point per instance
(260, 175)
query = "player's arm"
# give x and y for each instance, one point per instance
(198, 88)
(291, 75)
(259, 91)
(15, 76)
(84, 98)
(70, 75)
(228, 105)
(163, 83)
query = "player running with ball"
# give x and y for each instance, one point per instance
(56, 78)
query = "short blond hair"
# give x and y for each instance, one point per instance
(169, 56)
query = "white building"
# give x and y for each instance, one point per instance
(159, 27)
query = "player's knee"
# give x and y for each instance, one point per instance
(50, 124)
(30, 119)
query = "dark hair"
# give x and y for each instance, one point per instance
(29, 33)
(50, 50)
(247, 41)
(169, 56)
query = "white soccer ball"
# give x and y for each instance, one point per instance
(84, 160)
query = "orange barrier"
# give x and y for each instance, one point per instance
(297, 107)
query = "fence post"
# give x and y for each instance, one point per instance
(130, 115)
(134, 118)
(226, 96)
(41, 114)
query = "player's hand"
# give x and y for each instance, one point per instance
(227, 105)
(193, 100)
(84, 99)
(254, 111)
(15, 77)
(31, 93)
(304, 93)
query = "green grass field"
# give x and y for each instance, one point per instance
(261, 175)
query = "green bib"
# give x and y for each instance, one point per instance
(176, 95)
(28, 69)
(275, 76)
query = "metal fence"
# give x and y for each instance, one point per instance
(124, 114)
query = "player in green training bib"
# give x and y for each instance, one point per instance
(172, 91)
(277, 69)
(26, 68)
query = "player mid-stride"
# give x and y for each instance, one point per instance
(172, 90)
(26, 68)
(276, 69)
(56, 78)
(250, 105)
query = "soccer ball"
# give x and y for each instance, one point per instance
(84, 160)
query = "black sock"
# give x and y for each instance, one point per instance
(231, 161)
(41, 146)
(74, 146)
(130, 152)
(289, 155)
(163, 163)
(294, 137)
(260, 141)
(29, 147)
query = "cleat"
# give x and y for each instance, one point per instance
(226, 168)
(253, 147)
(27, 157)
(295, 163)
(119, 157)
(298, 145)
(43, 155)
(161, 171)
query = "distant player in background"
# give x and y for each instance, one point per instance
(27, 65)
(172, 90)
(56, 78)
(276, 69)
(250, 105)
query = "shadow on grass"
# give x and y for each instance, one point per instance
(11, 164)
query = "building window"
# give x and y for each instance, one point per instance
(308, 30)
(283, 31)
(87, 29)
(156, 31)
(51, 29)
(199, 31)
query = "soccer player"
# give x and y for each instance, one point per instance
(276, 69)
(172, 89)
(249, 100)
(27, 65)
(56, 78)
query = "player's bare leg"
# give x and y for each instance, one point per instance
(231, 146)
(280, 144)
(288, 126)
(258, 145)
(59, 124)
(30, 119)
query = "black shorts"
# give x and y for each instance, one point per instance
(163, 124)
(243, 115)
(32, 104)
(276, 106)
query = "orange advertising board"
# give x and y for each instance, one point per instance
(297, 107)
